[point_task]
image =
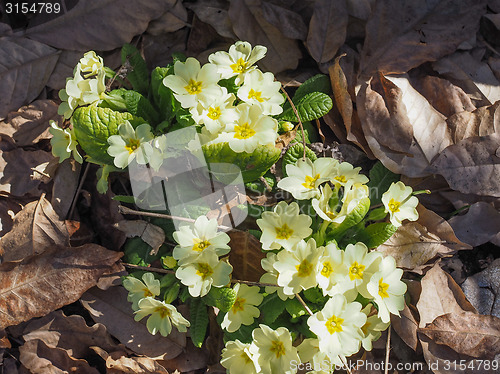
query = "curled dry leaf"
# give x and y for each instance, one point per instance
(16, 168)
(249, 24)
(406, 327)
(35, 228)
(288, 21)
(472, 165)
(43, 283)
(172, 20)
(214, 13)
(26, 67)
(38, 358)
(416, 243)
(245, 256)
(480, 122)
(440, 295)
(401, 35)
(70, 333)
(118, 363)
(327, 29)
(112, 309)
(30, 123)
(190, 360)
(466, 333)
(151, 234)
(65, 185)
(71, 30)
(8, 208)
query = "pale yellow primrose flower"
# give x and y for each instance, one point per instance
(163, 316)
(284, 226)
(338, 327)
(200, 236)
(327, 205)
(193, 84)
(361, 265)
(261, 89)
(204, 272)
(131, 144)
(243, 311)
(250, 130)
(305, 177)
(271, 276)
(91, 64)
(316, 361)
(239, 61)
(297, 268)
(345, 172)
(237, 359)
(331, 269)
(387, 289)
(63, 143)
(216, 113)
(273, 350)
(138, 290)
(399, 203)
(372, 329)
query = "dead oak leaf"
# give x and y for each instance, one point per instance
(118, 363)
(151, 234)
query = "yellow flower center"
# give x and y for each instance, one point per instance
(394, 206)
(278, 348)
(356, 271)
(304, 269)
(240, 66)
(238, 305)
(132, 145)
(200, 245)
(311, 182)
(245, 357)
(331, 215)
(334, 324)
(327, 269)
(214, 113)
(283, 232)
(255, 95)
(365, 328)
(341, 179)
(162, 311)
(193, 87)
(382, 288)
(146, 292)
(244, 131)
(204, 270)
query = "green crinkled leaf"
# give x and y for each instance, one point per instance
(172, 293)
(271, 307)
(137, 252)
(352, 219)
(295, 152)
(318, 83)
(139, 106)
(199, 321)
(252, 165)
(163, 97)
(310, 132)
(312, 106)
(229, 84)
(93, 126)
(295, 309)
(138, 74)
(221, 298)
(376, 234)
(377, 214)
(315, 295)
(380, 180)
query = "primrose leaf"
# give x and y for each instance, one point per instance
(312, 106)
(138, 75)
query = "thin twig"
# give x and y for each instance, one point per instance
(309, 311)
(125, 210)
(166, 271)
(346, 365)
(75, 196)
(387, 350)
(300, 122)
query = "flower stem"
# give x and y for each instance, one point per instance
(300, 122)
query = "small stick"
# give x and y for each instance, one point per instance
(387, 350)
(300, 122)
(75, 196)
(309, 311)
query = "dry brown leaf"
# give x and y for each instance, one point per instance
(118, 363)
(406, 327)
(480, 122)
(8, 209)
(327, 29)
(249, 24)
(401, 35)
(35, 228)
(151, 234)
(245, 256)
(112, 277)
(479, 225)
(191, 359)
(414, 244)
(112, 309)
(65, 185)
(41, 284)
(26, 67)
(466, 333)
(15, 171)
(64, 68)
(472, 165)
(214, 13)
(343, 100)
(473, 76)
(30, 123)
(288, 21)
(440, 295)
(173, 20)
(70, 333)
(38, 358)
(71, 30)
